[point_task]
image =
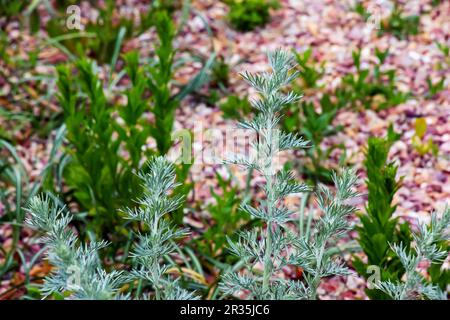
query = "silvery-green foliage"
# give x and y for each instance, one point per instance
(426, 247)
(311, 253)
(276, 246)
(158, 240)
(77, 268)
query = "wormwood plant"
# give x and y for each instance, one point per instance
(276, 246)
(427, 246)
(78, 272)
(378, 227)
(158, 239)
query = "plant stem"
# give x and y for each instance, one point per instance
(269, 172)
(308, 224)
(317, 275)
(302, 213)
(267, 260)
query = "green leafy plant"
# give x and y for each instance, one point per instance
(10, 8)
(100, 178)
(159, 82)
(220, 73)
(445, 50)
(418, 142)
(426, 247)
(361, 10)
(226, 216)
(378, 226)
(101, 37)
(16, 190)
(315, 127)
(249, 14)
(235, 107)
(370, 88)
(269, 246)
(399, 24)
(309, 72)
(435, 88)
(78, 271)
(435, 3)
(438, 86)
(101, 175)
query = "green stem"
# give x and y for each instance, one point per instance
(308, 224)
(269, 173)
(316, 281)
(267, 260)
(302, 213)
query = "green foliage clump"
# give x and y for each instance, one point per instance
(101, 38)
(400, 25)
(220, 73)
(418, 141)
(368, 88)
(235, 107)
(397, 23)
(106, 152)
(434, 87)
(100, 178)
(227, 218)
(159, 82)
(315, 126)
(378, 227)
(10, 8)
(246, 15)
(309, 72)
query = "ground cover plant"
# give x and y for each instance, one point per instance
(247, 15)
(224, 150)
(101, 36)
(371, 87)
